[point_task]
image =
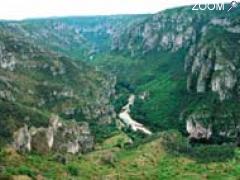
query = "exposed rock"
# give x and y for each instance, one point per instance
(160, 32)
(54, 122)
(69, 137)
(70, 111)
(223, 83)
(150, 38)
(204, 75)
(235, 29)
(42, 140)
(57, 68)
(220, 22)
(144, 95)
(73, 138)
(102, 109)
(7, 60)
(195, 127)
(209, 70)
(197, 131)
(7, 95)
(22, 139)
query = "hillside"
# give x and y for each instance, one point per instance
(187, 62)
(37, 82)
(147, 161)
(77, 37)
(121, 97)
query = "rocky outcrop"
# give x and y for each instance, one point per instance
(160, 32)
(7, 60)
(212, 66)
(7, 95)
(197, 131)
(73, 138)
(209, 70)
(68, 137)
(42, 139)
(200, 65)
(22, 139)
(102, 109)
(223, 83)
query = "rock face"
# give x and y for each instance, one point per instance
(197, 131)
(7, 60)
(210, 44)
(70, 137)
(73, 138)
(209, 70)
(195, 126)
(161, 32)
(22, 139)
(42, 140)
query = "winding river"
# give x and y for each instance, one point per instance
(124, 115)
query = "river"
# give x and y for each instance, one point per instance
(124, 115)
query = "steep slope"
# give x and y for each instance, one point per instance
(183, 61)
(213, 72)
(36, 82)
(77, 37)
(187, 62)
(182, 66)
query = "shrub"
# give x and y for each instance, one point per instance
(176, 144)
(22, 170)
(26, 171)
(212, 153)
(73, 170)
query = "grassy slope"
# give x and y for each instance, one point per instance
(147, 161)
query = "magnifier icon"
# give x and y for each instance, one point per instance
(233, 4)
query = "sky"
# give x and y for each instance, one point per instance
(22, 9)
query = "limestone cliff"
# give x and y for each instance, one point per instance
(209, 43)
(64, 137)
